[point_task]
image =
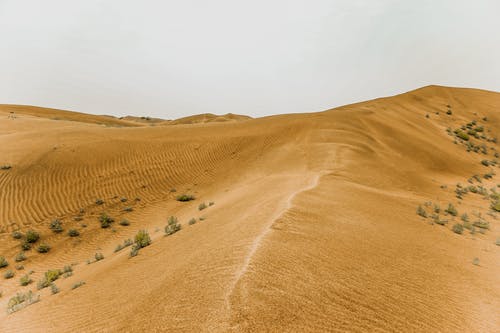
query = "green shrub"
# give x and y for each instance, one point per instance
(73, 233)
(202, 206)
(49, 277)
(9, 274)
(56, 226)
(142, 239)
(185, 197)
(17, 235)
(458, 228)
(43, 248)
(25, 280)
(32, 236)
(134, 251)
(173, 226)
(77, 285)
(21, 300)
(192, 221)
(98, 256)
(462, 135)
(20, 257)
(124, 222)
(26, 246)
(3, 262)
(105, 220)
(451, 210)
(421, 211)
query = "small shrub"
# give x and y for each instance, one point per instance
(211, 203)
(21, 300)
(9, 274)
(43, 248)
(77, 285)
(105, 220)
(496, 206)
(19, 267)
(481, 224)
(119, 247)
(458, 228)
(25, 280)
(464, 217)
(172, 226)
(475, 261)
(421, 211)
(123, 199)
(67, 275)
(128, 209)
(497, 242)
(32, 236)
(202, 218)
(134, 251)
(17, 235)
(437, 220)
(185, 197)
(451, 210)
(485, 162)
(67, 269)
(202, 206)
(124, 222)
(98, 256)
(73, 233)
(5, 167)
(192, 221)
(49, 277)
(128, 242)
(142, 239)
(3, 262)
(53, 289)
(26, 246)
(56, 226)
(20, 257)
(462, 135)
(99, 202)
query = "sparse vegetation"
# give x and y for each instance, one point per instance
(21, 300)
(3, 262)
(185, 197)
(172, 226)
(105, 220)
(77, 285)
(20, 257)
(25, 280)
(32, 236)
(43, 248)
(458, 228)
(9, 274)
(17, 235)
(56, 226)
(73, 233)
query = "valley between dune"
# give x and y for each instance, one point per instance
(313, 226)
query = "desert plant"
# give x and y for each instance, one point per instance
(53, 289)
(20, 257)
(26, 246)
(105, 220)
(17, 235)
(19, 267)
(43, 248)
(3, 262)
(458, 228)
(49, 277)
(202, 206)
(481, 224)
(142, 239)
(9, 274)
(185, 197)
(5, 167)
(192, 221)
(25, 280)
(73, 233)
(119, 247)
(128, 242)
(124, 222)
(98, 256)
(134, 251)
(123, 199)
(21, 300)
(211, 203)
(172, 226)
(78, 284)
(56, 226)
(99, 202)
(128, 209)
(451, 210)
(421, 211)
(32, 236)
(475, 261)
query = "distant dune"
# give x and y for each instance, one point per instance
(310, 223)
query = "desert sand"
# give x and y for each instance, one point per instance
(313, 226)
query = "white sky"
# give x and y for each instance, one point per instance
(170, 58)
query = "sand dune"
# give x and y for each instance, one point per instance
(313, 227)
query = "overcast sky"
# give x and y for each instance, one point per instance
(170, 58)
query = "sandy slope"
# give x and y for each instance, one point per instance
(313, 227)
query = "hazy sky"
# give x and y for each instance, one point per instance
(174, 58)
